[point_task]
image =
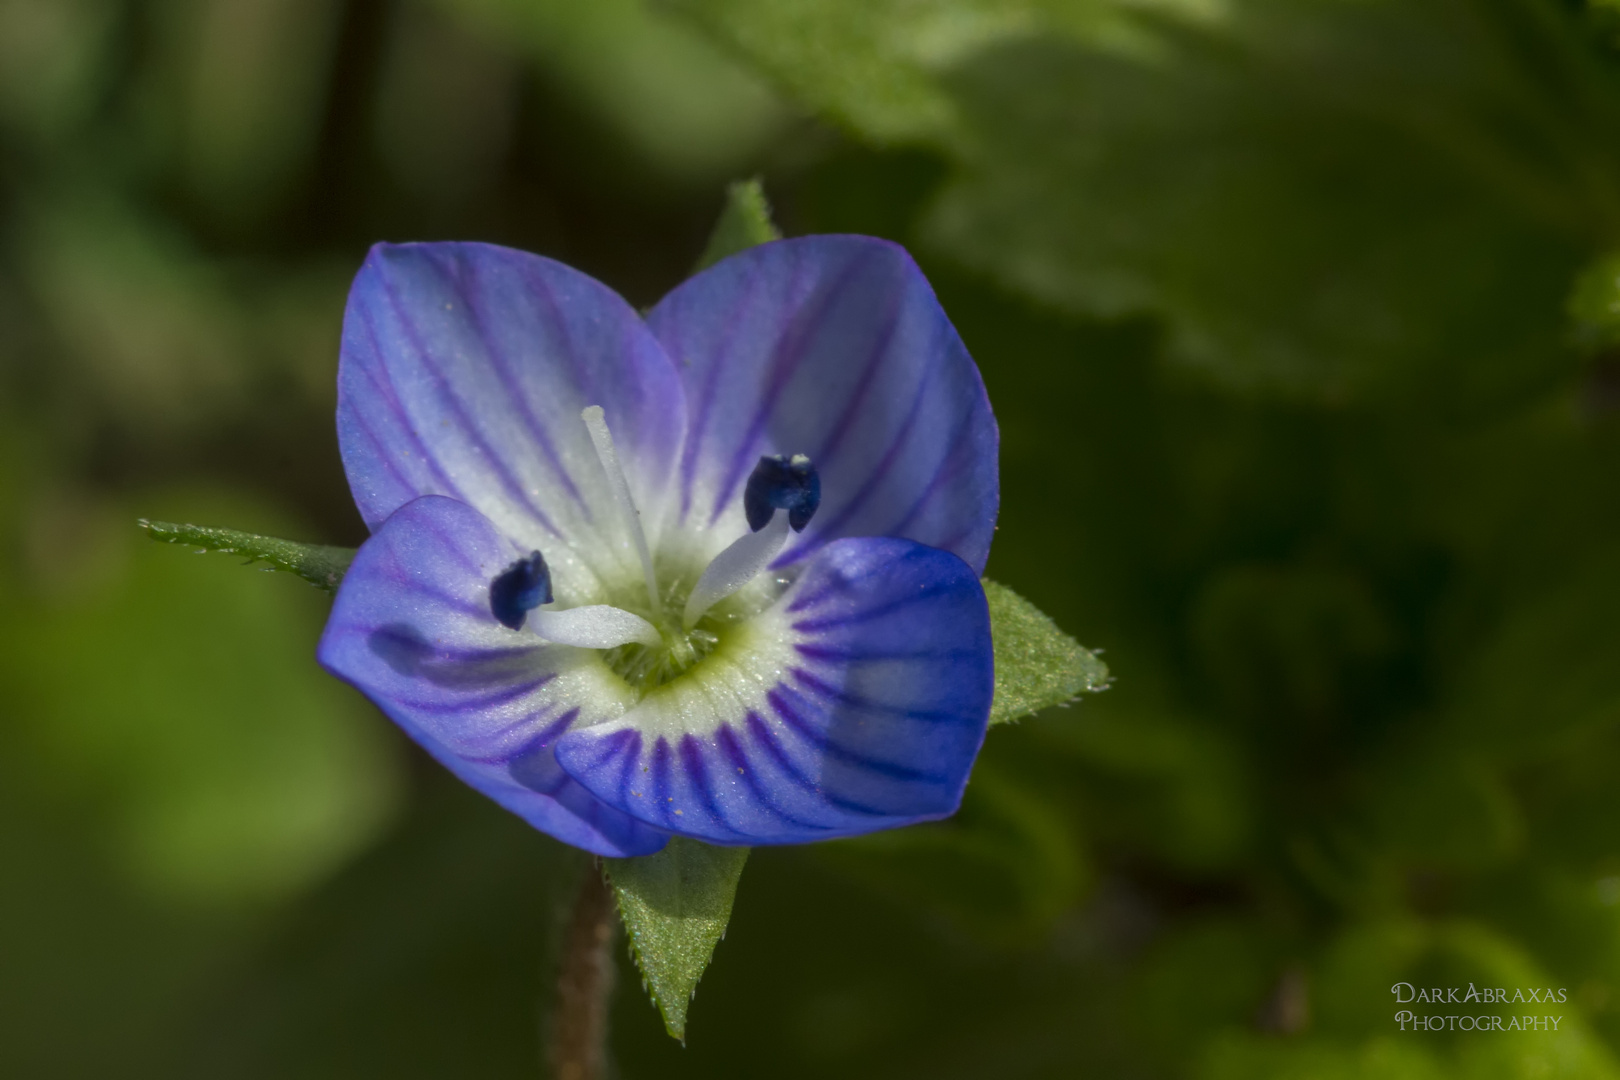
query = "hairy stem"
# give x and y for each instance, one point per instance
(579, 1017)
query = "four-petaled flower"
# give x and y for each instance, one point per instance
(714, 573)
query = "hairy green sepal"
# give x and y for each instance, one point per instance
(1037, 665)
(675, 906)
(319, 564)
(745, 221)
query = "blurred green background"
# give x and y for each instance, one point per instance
(1302, 322)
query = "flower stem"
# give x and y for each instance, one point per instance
(584, 983)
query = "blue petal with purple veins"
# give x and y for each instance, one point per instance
(463, 371)
(412, 628)
(857, 702)
(835, 347)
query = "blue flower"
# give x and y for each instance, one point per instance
(713, 573)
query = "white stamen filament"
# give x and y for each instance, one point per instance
(602, 439)
(596, 626)
(736, 566)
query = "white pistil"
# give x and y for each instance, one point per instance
(736, 566)
(602, 439)
(595, 626)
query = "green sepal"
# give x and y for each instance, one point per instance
(319, 564)
(745, 221)
(675, 905)
(1037, 665)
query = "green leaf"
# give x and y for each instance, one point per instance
(878, 66)
(675, 906)
(1594, 303)
(1037, 665)
(1252, 173)
(650, 82)
(745, 222)
(1070, 186)
(319, 564)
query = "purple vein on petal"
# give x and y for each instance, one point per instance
(409, 637)
(404, 577)
(732, 746)
(958, 538)
(801, 337)
(381, 451)
(453, 401)
(767, 741)
(608, 747)
(543, 738)
(450, 542)
(382, 381)
(717, 369)
(829, 655)
(864, 704)
(584, 376)
(773, 747)
(692, 760)
(832, 526)
(505, 757)
(834, 622)
(505, 696)
(475, 307)
(949, 469)
(630, 742)
(822, 742)
(659, 787)
(814, 598)
(826, 455)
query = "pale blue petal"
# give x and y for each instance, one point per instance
(463, 373)
(835, 347)
(412, 629)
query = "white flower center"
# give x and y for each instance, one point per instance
(648, 649)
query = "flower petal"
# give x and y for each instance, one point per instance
(412, 629)
(463, 373)
(835, 347)
(857, 702)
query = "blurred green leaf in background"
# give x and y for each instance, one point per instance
(1300, 325)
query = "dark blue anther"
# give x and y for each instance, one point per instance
(782, 483)
(519, 589)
